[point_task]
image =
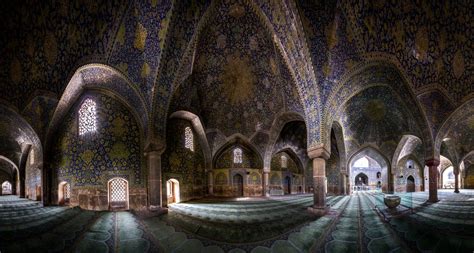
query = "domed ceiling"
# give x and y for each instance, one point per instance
(376, 116)
(239, 82)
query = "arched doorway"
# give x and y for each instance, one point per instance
(361, 182)
(6, 188)
(287, 185)
(64, 193)
(238, 182)
(410, 184)
(38, 193)
(118, 194)
(172, 191)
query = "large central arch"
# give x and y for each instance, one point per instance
(373, 153)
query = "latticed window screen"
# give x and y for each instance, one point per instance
(67, 191)
(87, 117)
(118, 190)
(188, 139)
(237, 155)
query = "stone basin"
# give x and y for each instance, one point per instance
(391, 201)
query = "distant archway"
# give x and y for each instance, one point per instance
(172, 191)
(410, 184)
(369, 161)
(448, 178)
(6, 188)
(118, 194)
(361, 182)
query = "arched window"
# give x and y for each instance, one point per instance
(87, 117)
(362, 163)
(284, 161)
(237, 155)
(188, 139)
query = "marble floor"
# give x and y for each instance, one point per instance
(355, 223)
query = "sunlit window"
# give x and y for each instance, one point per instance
(362, 163)
(237, 155)
(32, 156)
(6, 188)
(87, 117)
(284, 161)
(188, 139)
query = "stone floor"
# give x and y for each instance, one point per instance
(279, 224)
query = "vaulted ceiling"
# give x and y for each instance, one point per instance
(239, 82)
(237, 64)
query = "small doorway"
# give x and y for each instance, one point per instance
(238, 181)
(38, 193)
(410, 184)
(287, 185)
(172, 191)
(64, 193)
(118, 194)
(6, 188)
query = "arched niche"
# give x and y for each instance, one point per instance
(9, 172)
(227, 166)
(180, 163)
(409, 166)
(444, 164)
(88, 156)
(376, 163)
(286, 166)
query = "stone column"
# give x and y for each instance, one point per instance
(210, 182)
(265, 190)
(433, 179)
(153, 156)
(456, 179)
(319, 156)
(22, 183)
(344, 183)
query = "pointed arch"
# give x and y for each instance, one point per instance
(406, 146)
(237, 140)
(277, 126)
(200, 132)
(293, 156)
(103, 78)
(375, 154)
(464, 111)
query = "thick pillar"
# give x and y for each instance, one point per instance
(344, 183)
(210, 182)
(22, 184)
(433, 179)
(265, 190)
(456, 179)
(153, 156)
(319, 156)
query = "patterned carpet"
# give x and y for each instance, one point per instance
(279, 224)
